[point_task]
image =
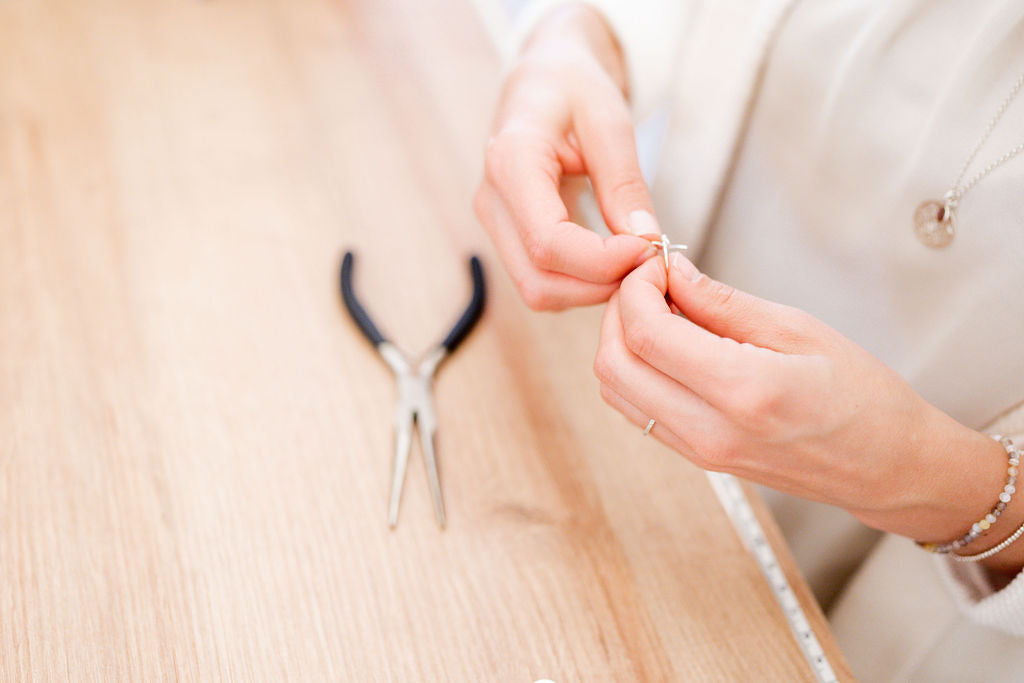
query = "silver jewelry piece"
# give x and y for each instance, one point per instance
(935, 220)
(649, 427)
(666, 247)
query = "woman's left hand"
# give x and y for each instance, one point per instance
(770, 393)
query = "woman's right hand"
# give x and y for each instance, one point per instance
(564, 112)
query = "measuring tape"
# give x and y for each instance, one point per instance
(736, 505)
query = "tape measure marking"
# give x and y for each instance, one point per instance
(750, 531)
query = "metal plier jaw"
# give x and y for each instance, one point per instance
(415, 397)
(415, 405)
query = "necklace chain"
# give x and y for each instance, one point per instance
(935, 221)
(959, 190)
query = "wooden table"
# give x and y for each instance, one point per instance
(194, 439)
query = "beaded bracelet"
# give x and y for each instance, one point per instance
(984, 523)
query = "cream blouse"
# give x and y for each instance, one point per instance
(800, 137)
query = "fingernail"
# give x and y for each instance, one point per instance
(684, 267)
(646, 254)
(642, 223)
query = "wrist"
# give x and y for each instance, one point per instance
(948, 477)
(959, 474)
(578, 32)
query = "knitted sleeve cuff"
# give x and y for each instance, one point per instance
(971, 588)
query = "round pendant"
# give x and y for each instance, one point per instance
(933, 227)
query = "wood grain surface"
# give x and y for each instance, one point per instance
(195, 440)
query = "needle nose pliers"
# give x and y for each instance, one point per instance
(415, 400)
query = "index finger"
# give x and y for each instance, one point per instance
(713, 367)
(527, 179)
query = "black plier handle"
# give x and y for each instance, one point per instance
(458, 332)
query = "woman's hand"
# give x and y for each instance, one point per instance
(563, 112)
(770, 393)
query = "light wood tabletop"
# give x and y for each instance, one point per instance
(195, 440)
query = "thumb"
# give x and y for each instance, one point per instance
(729, 312)
(604, 130)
